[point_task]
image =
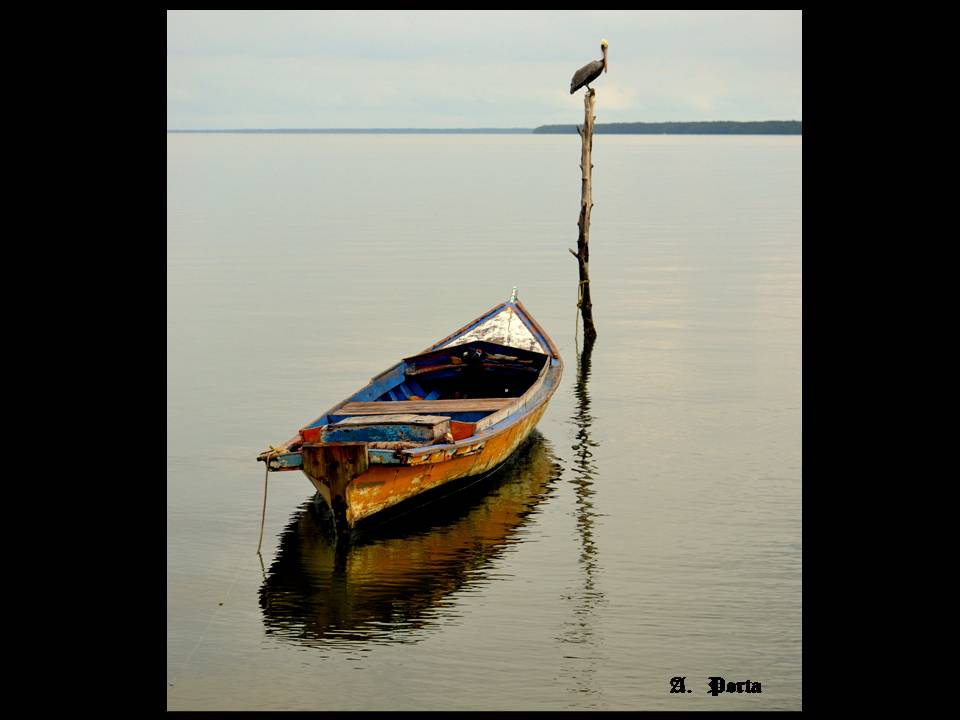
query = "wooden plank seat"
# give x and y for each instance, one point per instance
(402, 427)
(432, 407)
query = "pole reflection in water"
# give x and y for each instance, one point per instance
(397, 577)
(581, 664)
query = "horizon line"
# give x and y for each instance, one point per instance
(516, 130)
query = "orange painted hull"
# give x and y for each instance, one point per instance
(384, 486)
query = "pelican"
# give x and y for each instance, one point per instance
(589, 72)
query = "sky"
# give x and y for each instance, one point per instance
(474, 69)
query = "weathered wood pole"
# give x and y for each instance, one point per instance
(586, 205)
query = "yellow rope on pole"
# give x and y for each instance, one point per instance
(576, 324)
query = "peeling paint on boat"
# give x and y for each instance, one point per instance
(504, 328)
(363, 464)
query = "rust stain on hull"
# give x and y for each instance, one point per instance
(379, 487)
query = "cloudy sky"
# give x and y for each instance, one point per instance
(467, 69)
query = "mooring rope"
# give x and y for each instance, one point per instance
(263, 517)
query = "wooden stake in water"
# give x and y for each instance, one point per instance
(586, 205)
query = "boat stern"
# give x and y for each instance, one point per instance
(331, 466)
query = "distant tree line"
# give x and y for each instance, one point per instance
(717, 127)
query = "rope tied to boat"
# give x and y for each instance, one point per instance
(271, 453)
(263, 515)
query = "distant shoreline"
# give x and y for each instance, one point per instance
(718, 127)
(714, 127)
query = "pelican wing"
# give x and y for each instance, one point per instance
(588, 73)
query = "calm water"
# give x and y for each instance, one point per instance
(651, 528)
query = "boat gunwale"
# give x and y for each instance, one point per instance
(512, 412)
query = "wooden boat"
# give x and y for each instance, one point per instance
(455, 411)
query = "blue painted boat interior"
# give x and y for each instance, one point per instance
(452, 373)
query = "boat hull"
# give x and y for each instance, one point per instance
(355, 490)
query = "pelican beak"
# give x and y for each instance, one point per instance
(605, 65)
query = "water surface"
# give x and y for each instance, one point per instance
(652, 528)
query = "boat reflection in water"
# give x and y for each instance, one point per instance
(396, 577)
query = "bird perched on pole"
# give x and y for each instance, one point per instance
(589, 72)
